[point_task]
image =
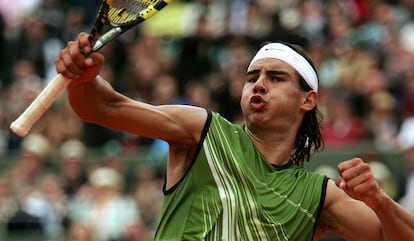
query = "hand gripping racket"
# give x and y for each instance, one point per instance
(119, 16)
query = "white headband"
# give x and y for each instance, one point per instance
(290, 56)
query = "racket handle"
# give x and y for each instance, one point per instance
(22, 125)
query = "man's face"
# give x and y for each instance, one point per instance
(271, 92)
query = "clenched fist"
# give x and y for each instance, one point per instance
(358, 181)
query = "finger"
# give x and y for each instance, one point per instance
(94, 59)
(348, 164)
(73, 64)
(340, 183)
(65, 65)
(356, 171)
(365, 188)
(84, 44)
(76, 54)
(358, 179)
(61, 68)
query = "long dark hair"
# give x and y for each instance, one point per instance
(309, 138)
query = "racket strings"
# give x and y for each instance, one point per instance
(127, 11)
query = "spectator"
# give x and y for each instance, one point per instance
(148, 196)
(342, 127)
(54, 210)
(105, 211)
(8, 205)
(383, 120)
(24, 176)
(35, 44)
(72, 155)
(31, 162)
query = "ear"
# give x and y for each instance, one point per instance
(310, 99)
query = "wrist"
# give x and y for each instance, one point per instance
(382, 201)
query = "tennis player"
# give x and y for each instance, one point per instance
(226, 181)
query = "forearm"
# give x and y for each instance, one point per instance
(397, 223)
(89, 100)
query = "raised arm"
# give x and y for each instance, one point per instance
(94, 100)
(358, 209)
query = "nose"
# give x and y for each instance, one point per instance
(259, 86)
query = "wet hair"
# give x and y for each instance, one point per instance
(309, 138)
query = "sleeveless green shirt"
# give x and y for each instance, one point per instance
(232, 193)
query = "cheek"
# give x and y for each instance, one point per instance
(286, 102)
(244, 99)
(243, 104)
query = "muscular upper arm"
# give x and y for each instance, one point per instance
(179, 125)
(176, 124)
(348, 217)
(98, 103)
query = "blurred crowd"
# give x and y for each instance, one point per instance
(194, 52)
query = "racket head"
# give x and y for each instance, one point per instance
(126, 13)
(122, 15)
(101, 20)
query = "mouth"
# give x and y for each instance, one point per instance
(257, 102)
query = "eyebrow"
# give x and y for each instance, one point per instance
(268, 72)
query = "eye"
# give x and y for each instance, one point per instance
(276, 79)
(251, 79)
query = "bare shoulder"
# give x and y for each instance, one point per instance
(191, 118)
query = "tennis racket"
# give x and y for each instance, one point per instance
(116, 16)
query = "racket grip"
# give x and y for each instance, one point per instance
(22, 125)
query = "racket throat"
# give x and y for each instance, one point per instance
(107, 37)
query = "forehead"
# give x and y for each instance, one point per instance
(271, 64)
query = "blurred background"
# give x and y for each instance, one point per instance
(70, 180)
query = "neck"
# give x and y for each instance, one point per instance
(276, 147)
